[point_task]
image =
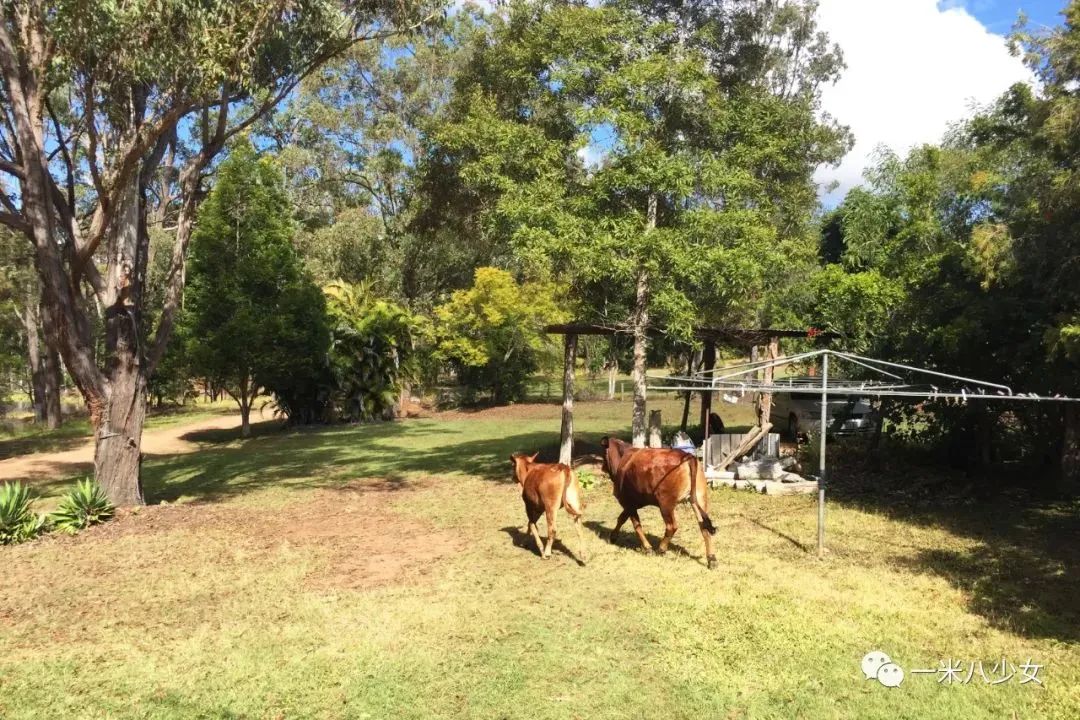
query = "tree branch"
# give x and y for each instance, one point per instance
(12, 169)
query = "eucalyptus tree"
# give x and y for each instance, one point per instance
(707, 116)
(96, 98)
(348, 141)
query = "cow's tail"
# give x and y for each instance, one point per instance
(706, 521)
(572, 501)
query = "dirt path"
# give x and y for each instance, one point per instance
(170, 440)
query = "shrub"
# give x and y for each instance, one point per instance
(492, 334)
(84, 506)
(586, 478)
(371, 352)
(17, 521)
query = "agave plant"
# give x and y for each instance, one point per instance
(17, 521)
(84, 506)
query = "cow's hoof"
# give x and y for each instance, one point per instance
(713, 564)
(613, 539)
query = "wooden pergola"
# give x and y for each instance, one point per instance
(710, 337)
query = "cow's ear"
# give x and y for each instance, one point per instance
(604, 441)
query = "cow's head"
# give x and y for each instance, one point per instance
(614, 451)
(521, 463)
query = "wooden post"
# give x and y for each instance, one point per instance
(708, 362)
(1069, 473)
(764, 400)
(566, 434)
(655, 422)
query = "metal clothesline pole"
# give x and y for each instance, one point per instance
(821, 459)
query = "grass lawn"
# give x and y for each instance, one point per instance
(382, 572)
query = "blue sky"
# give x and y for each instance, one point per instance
(916, 67)
(998, 16)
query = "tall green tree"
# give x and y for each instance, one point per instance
(256, 320)
(348, 142)
(710, 125)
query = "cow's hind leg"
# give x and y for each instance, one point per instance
(533, 518)
(583, 553)
(640, 533)
(623, 517)
(575, 508)
(707, 535)
(550, 512)
(670, 526)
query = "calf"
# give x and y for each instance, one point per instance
(544, 487)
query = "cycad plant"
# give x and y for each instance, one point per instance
(84, 506)
(17, 521)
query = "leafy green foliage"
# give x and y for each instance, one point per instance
(18, 522)
(85, 505)
(371, 352)
(493, 333)
(856, 304)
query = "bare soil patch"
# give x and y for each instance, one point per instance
(357, 539)
(165, 441)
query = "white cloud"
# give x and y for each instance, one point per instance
(913, 68)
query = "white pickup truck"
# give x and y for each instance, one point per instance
(799, 412)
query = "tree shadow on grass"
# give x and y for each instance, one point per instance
(1023, 573)
(628, 540)
(324, 457)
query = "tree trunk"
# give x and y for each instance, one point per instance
(53, 385)
(118, 454)
(688, 394)
(708, 363)
(613, 369)
(566, 433)
(33, 352)
(245, 401)
(51, 369)
(641, 336)
(640, 329)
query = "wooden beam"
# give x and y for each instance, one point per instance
(747, 336)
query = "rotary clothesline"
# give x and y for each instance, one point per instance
(723, 379)
(734, 379)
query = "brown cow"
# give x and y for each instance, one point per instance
(657, 476)
(544, 487)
